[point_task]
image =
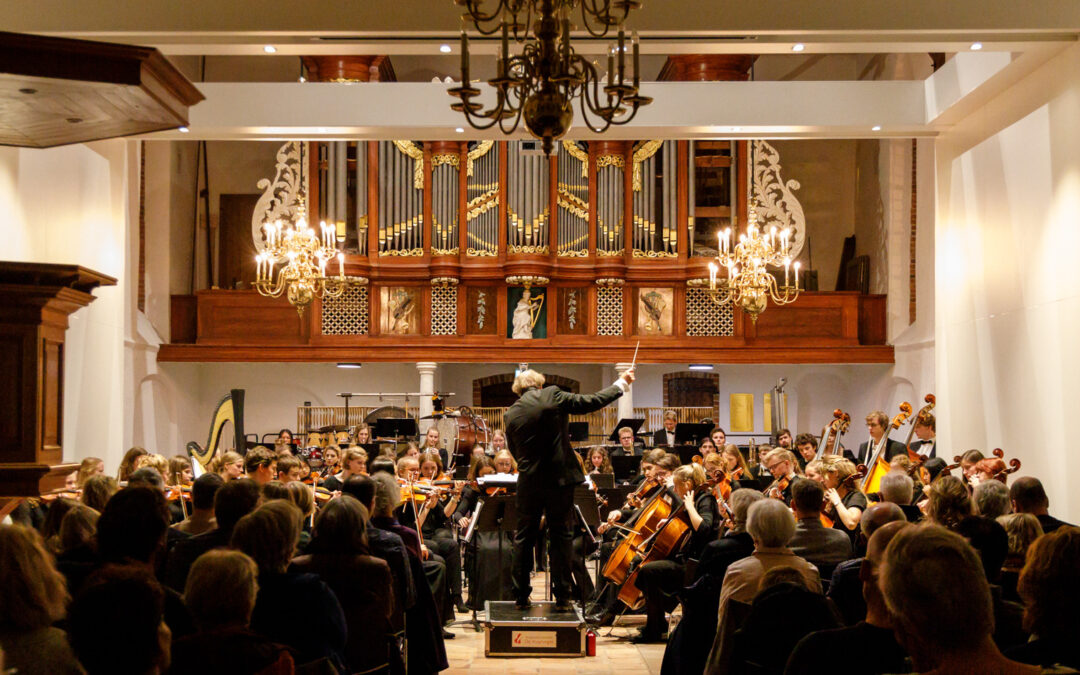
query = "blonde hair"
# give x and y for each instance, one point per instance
(838, 465)
(176, 468)
(97, 491)
(1023, 529)
(403, 465)
(527, 379)
(690, 473)
(87, 468)
(32, 593)
(505, 454)
(157, 462)
(221, 589)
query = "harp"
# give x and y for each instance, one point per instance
(229, 409)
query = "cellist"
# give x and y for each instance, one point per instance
(659, 579)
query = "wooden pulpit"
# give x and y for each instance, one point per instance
(35, 302)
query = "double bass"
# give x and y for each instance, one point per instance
(831, 433)
(877, 464)
(917, 471)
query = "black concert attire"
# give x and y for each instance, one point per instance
(892, 449)
(487, 559)
(439, 538)
(663, 437)
(538, 436)
(659, 580)
(853, 498)
(861, 649)
(1050, 523)
(927, 449)
(620, 451)
(333, 483)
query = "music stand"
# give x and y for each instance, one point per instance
(633, 422)
(587, 509)
(603, 480)
(579, 431)
(686, 453)
(395, 427)
(626, 467)
(493, 514)
(687, 433)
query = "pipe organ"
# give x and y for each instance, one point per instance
(572, 190)
(401, 199)
(483, 193)
(343, 197)
(527, 197)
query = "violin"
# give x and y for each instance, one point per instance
(776, 490)
(849, 483)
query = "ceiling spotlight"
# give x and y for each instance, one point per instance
(445, 49)
(270, 49)
(460, 130)
(798, 47)
(701, 366)
(876, 127)
(183, 130)
(350, 365)
(976, 46)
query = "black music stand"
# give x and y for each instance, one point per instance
(602, 480)
(687, 433)
(579, 432)
(395, 427)
(634, 423)
(626, 467)
(492, 514)
(686, 453)
(587, 508)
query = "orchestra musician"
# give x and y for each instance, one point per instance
(718, 437)
(926, 431)
(331, 463)
(877, 423)
(661, 578)
(537, 430)
(707, 448)
(260, 465)
(432, 444)
(846, 502)
(781, 464)
(626, 445)
(363, 434)
(435, 523)
(968, 461)
(487, 555)
(498, 440)
(599, 462)
(734, 462)
(806, 449)
(229, 465)
(666, 435)
(353, 463)
(783, 440)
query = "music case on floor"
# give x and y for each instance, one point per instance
(536, 631)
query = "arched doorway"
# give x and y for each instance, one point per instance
(495, 391)
(688, 389)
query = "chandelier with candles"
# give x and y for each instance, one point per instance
(540, 84)
(748, 282)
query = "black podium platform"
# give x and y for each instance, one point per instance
(539, 630)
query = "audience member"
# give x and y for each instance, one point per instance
(940, 603)
(869, 647)
(291, 608)
(1023, 529)
(274, 489)
(97, 490)
(203, 492)
(990, 541)
(32, 598)
(1028, 496)
(1050, 588)
(845, 586)
(991, 498)
(898, 488)
(949, 502)
(824, 547)
(147, 476)
(220, 594)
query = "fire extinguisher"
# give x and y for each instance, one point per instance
(590, 643)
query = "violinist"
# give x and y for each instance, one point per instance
(408, 469)
(179, 478)
(877, 423)
(926, 431)
(846, 502)
(436, 525)
(660, 579)
(487, 555)
(331, 462)
(815, 470)
(735, 466)
(781, 464)
(599, 462)
(127, 464)
(289, 469)
(505, 462)
(229, 465)
(353, 463)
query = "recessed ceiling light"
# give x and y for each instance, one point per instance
(445, 49)
(976, 46)
(876, 127)
(798, 47)
(183, 130)
(701, 366)
(460, 130)
(270, 49)
(736, 128)
(350, 365)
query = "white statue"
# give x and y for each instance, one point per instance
(526, 313)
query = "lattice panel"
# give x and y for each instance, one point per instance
(444, 309)
(705, 318)
(609, 310)
(347, 315)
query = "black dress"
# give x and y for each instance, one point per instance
(487, 553)
(855, 499)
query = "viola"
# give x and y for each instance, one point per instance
(849, 483)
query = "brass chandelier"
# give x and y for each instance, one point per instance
(749, 284)
(540, 84)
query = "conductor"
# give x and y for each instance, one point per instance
(537, 433)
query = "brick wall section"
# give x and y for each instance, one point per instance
(558, 380)
(690, 374)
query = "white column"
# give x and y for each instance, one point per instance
(626, 401)
(427, 390)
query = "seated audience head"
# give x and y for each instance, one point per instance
(1050, 586)
(120, 602)
(897, 487)
(147, 476)
(1028, 496)
(127, 464)
(989, 539)
(949, 502)
(288, 469)
(33, 594)
(807, 498)
(781, 574)
(740, 502)
(235, 500)
(870, 572)
(806, 446)
(275, 489)
(133, 526)
(936, 593)
(991, 498)
(221, 589)
(300, 495)
(97, 491)
(387, 495)
(877, 515)
(383, 465)
(269, 534)
(260, 465)
(340, 528)
(50, 527)
(527, 379)
(1023, 529)
(204, 489)
(91, 466)
(770, 524)
(78, 529)
(360, 487)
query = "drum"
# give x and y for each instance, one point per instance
(461, 433)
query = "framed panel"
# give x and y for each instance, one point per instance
(481, 310)
(654, 310)
(400, 314)
(526, 317)
(573, 311)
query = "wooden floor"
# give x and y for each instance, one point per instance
(614, 652)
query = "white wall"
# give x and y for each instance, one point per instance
(1009, 306)
(68, 205)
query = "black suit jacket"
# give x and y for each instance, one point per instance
(892, 449)
(660, 438)
(538, 434)
(933, 449)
